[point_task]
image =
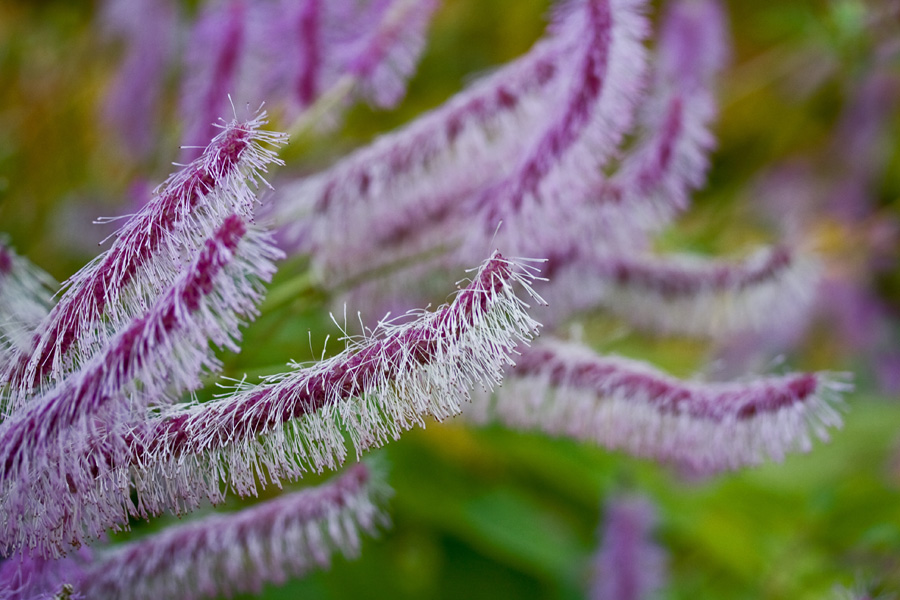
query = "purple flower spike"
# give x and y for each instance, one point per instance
(146, 256)
(630, 566)
(148, 28)
(215, 49)
(59, 483)
(563, 389)
(692, 43)
(682, 294)
(227, 553)
(28, 577)
(580, 133)
(25, 299)
(670, 157)
(378, 387)
(383, 60)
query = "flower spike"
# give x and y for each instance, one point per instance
(564, 389)
(146, 256)
(378, 387)
(56, 451)
(25, 299)
(226, 553)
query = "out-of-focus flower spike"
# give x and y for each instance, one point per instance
(50, 465)
(26, 576)
(689, 295)
(629, 566)
(378, 387)
(25, 299)
(693, 46)
(671, 157)
(147, 255)
(567, 390)
(579, 135)
(215, 49)
(383, 60)
(227, 553)
(459, 145)
(148, 28)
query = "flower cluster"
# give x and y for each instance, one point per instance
(578, 153)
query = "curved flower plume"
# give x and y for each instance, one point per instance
(670, 157)
(25, 299)
(66, 478)
(580, 135)
(215, 49)
(146, 256)
(629, 566)
(383, 59)
(378, 387)
(408, 179)
(50, 455)
(291, 53)
(689, 295)
(220, 554)
(621, 404)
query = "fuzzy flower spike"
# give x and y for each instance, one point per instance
(220, 554)
(25, 299)
(147, 255)
(58, 482)
(622, 404)
(378, 387)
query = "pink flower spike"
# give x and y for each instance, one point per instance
(580, 133)
(630, 566)
(215, 49)
(58, 455)
(25, 299)
(671, 155)
(381, 385)
(693, 45)
(469, 134)
(383, 60)
(226, 553)
(148, 28)
(689, 295)
(620, 404)
(146, 256)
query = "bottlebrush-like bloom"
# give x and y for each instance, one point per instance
(51, 463)
(290, 53)
(690, 295)
(670, 157)
(267, 543)
(220, 554)
(146, 256)
(149, 28)
(406, 181)
(378, 387)
(215, 49)
(69, 464)
(25, 299)
(564, 389)
(580, 133)
(629, 566)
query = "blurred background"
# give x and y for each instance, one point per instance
(809, 146)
